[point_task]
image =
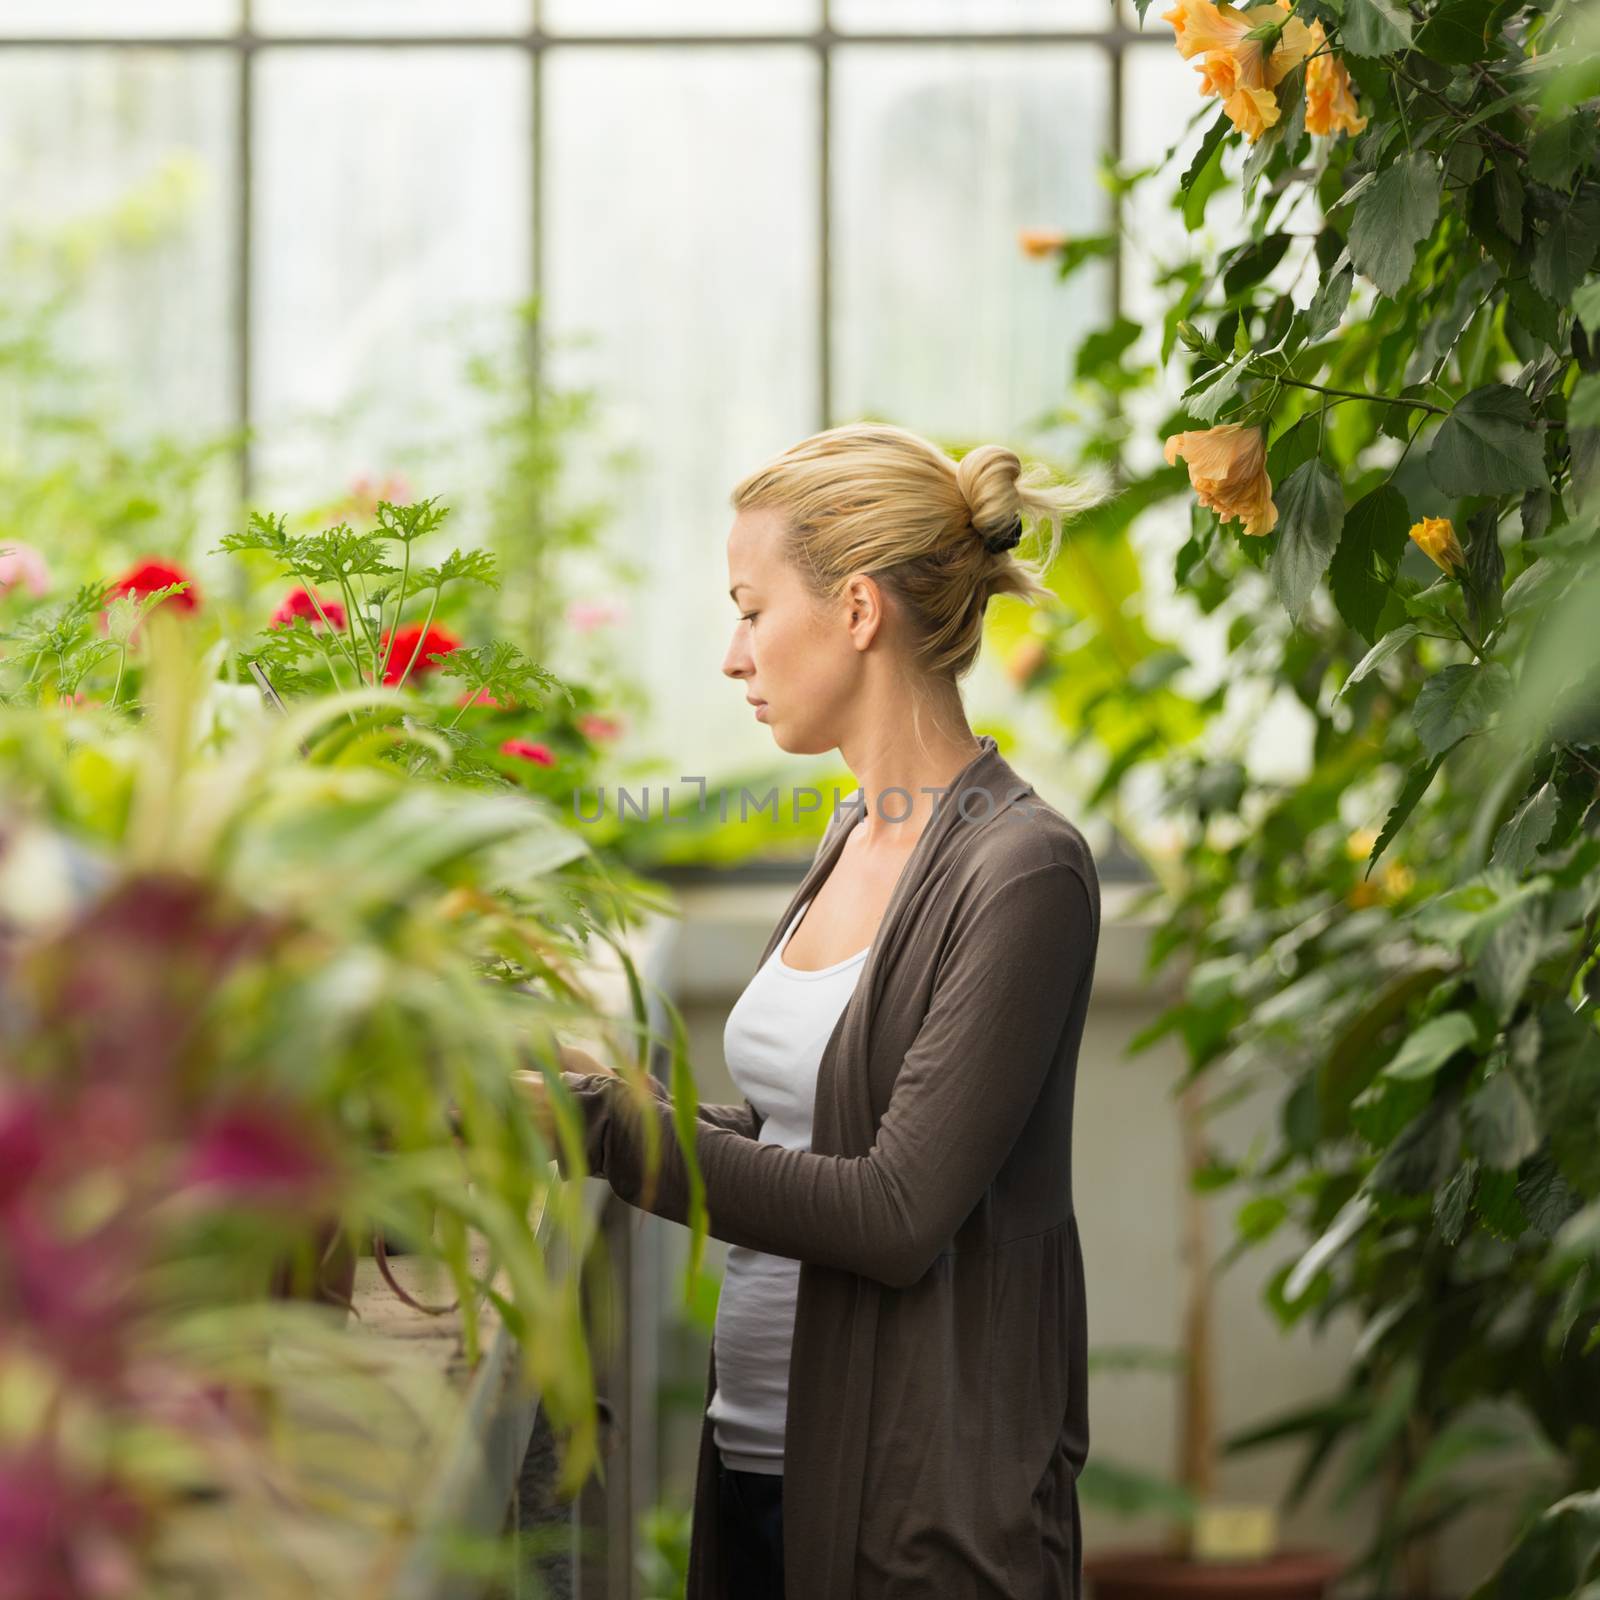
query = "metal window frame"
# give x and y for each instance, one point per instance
(536, 42)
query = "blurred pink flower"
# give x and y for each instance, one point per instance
(484, 698)
(365, 493)
(258, 1150)
(21, 566)
(73, 1298)
(528, 750)
(22, 1143)
(65, 1537)
(594, 726)
(587, 615)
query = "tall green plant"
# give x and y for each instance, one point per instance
(1389, 422)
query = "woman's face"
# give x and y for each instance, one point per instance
(800, 660)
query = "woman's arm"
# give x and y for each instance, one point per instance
(741, 1117)
(962, 1096)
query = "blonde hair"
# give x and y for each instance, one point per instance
(871, 497)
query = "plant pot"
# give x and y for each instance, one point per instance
(335, 1279)
(1155, 1575)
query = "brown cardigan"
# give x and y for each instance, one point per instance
(938, 1403)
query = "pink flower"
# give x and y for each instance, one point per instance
(299, 603)
(65, 1537)
(21, 566)
(257, 1151)
(527, 750)
(593, 726)
(365, 494)
(587, 615)
(484, 698)
(22, 1143)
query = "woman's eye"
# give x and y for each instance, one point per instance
(748, 616)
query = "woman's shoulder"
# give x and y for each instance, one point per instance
(1024, 839)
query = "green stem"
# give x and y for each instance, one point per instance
(399, 607)
(353, 611)
(311, 590)
(422, 638)
(1352, 394)
(472, 696)
(116, 688)
(1411, 439)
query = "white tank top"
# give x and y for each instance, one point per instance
(773, 1044)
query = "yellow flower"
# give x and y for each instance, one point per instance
(1228, 468)
(1359, 845)
(1040, 242)
(1436, 539)
(1330, 100)
(1234, 68)
(1394, 882)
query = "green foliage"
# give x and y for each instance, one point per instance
(1403, 938)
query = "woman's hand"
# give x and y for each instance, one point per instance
(536, 1091)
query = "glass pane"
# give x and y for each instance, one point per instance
(680, 16)
(117, 171)
(942, 155)
(391, 203)
(972, 16)
(391, 16)
(698, 301)
(115, 19)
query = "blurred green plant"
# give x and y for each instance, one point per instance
(255, 984)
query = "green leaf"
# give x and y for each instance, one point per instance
(1431, 1046)
(1085, 247)
(1500, 1123)
(1558, 148)
(1375, 529)
(1487, 445)
(1328, 304)
(1208, 148)
(1379, 653)
(1250, 263)
(1457, 32)
(1203, 403)
(1586, 305)
(1411, 791)
(1204, 176)
(1457, 701)
(1522, 837)
(1553, 1558)
(1566, 248)
(1310, 514)
(1375, 27)
(1508, 197)
(1393, 217)
(1583, 410)
(1105, 347)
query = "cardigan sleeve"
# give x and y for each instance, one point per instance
(965, 1088)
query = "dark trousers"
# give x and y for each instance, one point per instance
(750, 1506)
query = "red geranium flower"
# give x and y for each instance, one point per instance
(436, 642)
(149, 576)
(527, 750)
(299, 603)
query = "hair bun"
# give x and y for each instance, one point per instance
(997, 543)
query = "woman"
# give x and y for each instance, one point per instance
(901, 1407)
